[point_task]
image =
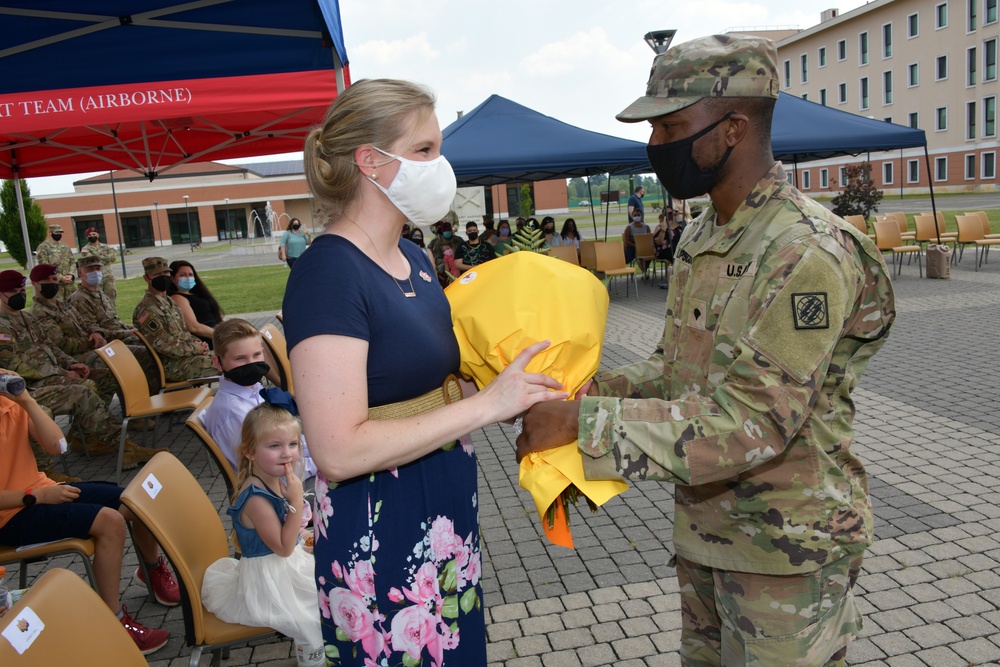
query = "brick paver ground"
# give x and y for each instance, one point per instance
(928, 430)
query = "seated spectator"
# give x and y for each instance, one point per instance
(549, 237)
(519, 224)
(489, 234)
(108, 257)
(504, 242)
(159, 319)
(473, 252)
(628, 238)
(199, 308)
(667, 234)
(445, 247)
(570, 235)
(35, 509)
(417, 236)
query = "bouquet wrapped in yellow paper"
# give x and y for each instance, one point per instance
(503, 306)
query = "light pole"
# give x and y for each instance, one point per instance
(187, 212)
(229, 231)
(156, 207)
(659, 40)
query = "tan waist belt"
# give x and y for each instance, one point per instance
(449, 392)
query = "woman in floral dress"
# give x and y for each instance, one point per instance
(397, 530)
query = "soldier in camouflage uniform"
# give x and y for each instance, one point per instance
(108, 257)
(58, 381)
(773, 312)
(184, 357)
(54, 251)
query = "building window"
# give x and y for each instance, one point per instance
(864, 92)
(806, 180)
(912, 25)
(970, 166)
(941, 169)
(970, 121)
(822, 96)
(990, 116)
(912, 171)
(842, 50)
(805, 96)
(804, 62)
(941, 15)
(941, 68)
(842, 92)
(788, 73)
(914, 122)
(970, 16)
(824, 178)
(863, 48)
(941, 116)
(887, 173)
(887, 40)
(989, 165)
(843, 176)
(912, 75)
(970, 66)
(887, 87)
(990, 13)
(822, 56)
(990, 60)
(887, 119)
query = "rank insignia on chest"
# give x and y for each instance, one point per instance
(809, 310)
(684, 256)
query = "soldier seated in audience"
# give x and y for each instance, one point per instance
(107, 255)
(184, 357)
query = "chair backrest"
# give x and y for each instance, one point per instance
(195, 423)
(275, 341)
(858, 221)
(970, 229)
(567, 253)
(887, 235)
(156, 358)
(610, 255)
(644, 246)
(127, 372)
(983, 219)
(79, 628)
(588, 254)
(900, 218)
(926, 230)
(169, 501)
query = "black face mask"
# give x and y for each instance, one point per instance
(248, 374)
(94, 239)
(419, 240)
(18, 301)
(295, 226)
(49, 290)
(473, 236)
(160, 283)
(677, 170)
(56, 237)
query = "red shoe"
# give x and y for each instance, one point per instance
(165, 588)
(147, 639)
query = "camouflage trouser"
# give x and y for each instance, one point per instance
(739, 619)
(105, 380)
(108, 286)
(188, 368)
(80, 400)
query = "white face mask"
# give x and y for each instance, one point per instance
(93, 278)
(422, 191)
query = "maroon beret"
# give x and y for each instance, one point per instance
(42, 271)
(10, 280)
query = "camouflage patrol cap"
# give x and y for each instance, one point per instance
(42, 271)
(88, 260)
(153, 265)
(56, 229)
(714, 66)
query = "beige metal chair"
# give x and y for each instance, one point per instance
(188, 528)
(195, 423)
(610, 258)
(942, 227)
(927, 231)
(899, 218)
(861, 222)
(79, 628)
(136, 401)
(567, 253)
(274, 340)
(41, 552)
(588, 255)
(887, 238)
(171, 386)
(644, 250)
(985, 219)
(970, 232)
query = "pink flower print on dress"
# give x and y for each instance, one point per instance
(361, 579)
(425, 584)
(350, 614)
(475, 568)
(443, 540)
(338, 571)
(325, 510)
(414, 628)
(324, 604)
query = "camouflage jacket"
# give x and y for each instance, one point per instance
(96, 313)
(160, 321)
(59, 324)
(771, 320)
(105, 253)
(26, 350)
(58, 254)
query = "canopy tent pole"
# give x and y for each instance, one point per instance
(28, 259)
(590, 198)
(338, 68)
(607, 211)
(901, 174)
(118, 224)
(930, 185)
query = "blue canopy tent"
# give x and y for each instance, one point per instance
(151, 84)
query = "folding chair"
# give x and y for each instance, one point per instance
(78, 628)
(904, 231)
(567, 253)
(970, 232)
(888, 240)
(275, 342)
(41, 552)
(644, 250)
(983, 218)
(170, 386)
(136, 401)
(188, 528)
(195, 423)
(588, 255)
(861, 222)
(611, 263)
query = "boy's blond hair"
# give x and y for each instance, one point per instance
(230, 331)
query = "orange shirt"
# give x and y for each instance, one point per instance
(17, 462)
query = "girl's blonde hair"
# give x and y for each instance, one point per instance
(370, 112)
(259, 422)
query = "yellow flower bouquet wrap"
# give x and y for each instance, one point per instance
(503, 306)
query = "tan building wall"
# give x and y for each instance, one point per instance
(920, 61)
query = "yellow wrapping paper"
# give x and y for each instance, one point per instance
(503, 306)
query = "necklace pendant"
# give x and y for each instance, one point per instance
(410, 295)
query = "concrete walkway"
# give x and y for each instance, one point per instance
(928, 430)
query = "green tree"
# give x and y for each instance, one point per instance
(10, 221)
(527, 204)
(576, 189)
(859, 196)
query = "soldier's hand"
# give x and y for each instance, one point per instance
(81, 370)
(97, 340)
(548, 425)
(204, 346)
(56, 495)
(67, 278)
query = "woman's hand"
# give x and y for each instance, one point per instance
(514, 390)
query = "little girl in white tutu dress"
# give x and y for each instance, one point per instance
(273, 585)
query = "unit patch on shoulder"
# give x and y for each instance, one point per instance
(809, 310)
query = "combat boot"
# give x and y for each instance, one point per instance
(140, 424)
(134, 454)
(60, 478)
(95, 446)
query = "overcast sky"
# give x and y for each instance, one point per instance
(581, 62)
